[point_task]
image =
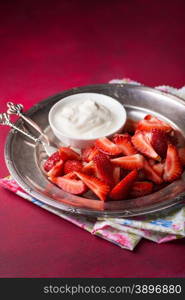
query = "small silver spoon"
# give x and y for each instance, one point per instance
(17, 109)
(5, 120)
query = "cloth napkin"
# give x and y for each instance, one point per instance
(127, 233)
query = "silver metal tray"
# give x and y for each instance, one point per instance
(24, 159)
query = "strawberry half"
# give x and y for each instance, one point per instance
(141, 188)
(89, 168)
(68, 153)
(123, 141)
(51, 161)
(100, 188)
(104, 168)
(151, 174)
(130, 126)
(129, 162)
(141, 142)
(88, 153)
(57, 169)
(116, 174)
(151, 122)
(72, 165)
(159, 142)
(173, 166)
(159, 168)
(107, 147)
(70, 185)
(122, 189)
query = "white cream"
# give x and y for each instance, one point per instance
(85, 119)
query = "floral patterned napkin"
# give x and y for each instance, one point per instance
(126, 233)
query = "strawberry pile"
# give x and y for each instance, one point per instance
(148, 155)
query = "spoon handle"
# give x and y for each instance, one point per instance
(17, 109)
(5, 120)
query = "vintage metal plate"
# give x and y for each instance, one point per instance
(24, 159)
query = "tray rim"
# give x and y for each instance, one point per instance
(71, 209)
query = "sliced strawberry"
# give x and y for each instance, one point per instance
(70, 175)
(151, 174)
(104, 168)
(100, 188)
(130, 126)
(123, 141)
(129, 162)
(107, 147)
(72, 165)
(151, 122)
(181, 152)
(141, 142)
(116, 174)
(122, 189)
(159, 169)
(172, 167)
(89, 168)
(159, 142)
(68, 153)
(57, 169)
(69, 185)
(85, 153)
(88, 153)
(141, 188)
(51, 161)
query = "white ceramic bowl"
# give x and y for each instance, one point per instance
(79, 142)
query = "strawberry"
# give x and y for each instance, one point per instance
(51, 161)
(151, 122)
(159, 142)
(151, 174)
(141, 142)
(130, 126)
(71, 165)
(159, 169)
(123, 141)
(56, 170)
(116, 174)
(71, 175)
(68, 153)
(88, 153)
(173, 166)
(107, 147)
(89, 168)
(181, 152)
(100, 188)
(141, 188)
(69, 185)
(122, 188)
(129, 162)
(104, 168)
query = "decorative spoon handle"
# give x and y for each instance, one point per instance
(16, 109)
(5, 120)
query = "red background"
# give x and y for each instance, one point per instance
(47, 47)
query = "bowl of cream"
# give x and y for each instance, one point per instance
(78, 120)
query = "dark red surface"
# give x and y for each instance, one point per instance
(46, 48)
